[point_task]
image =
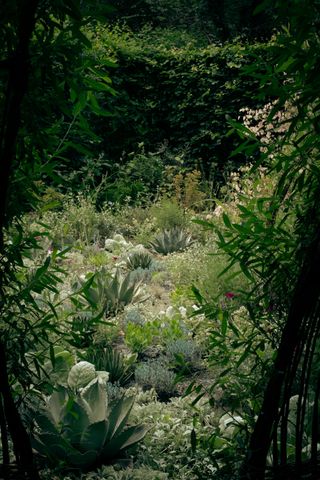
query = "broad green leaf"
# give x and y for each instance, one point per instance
(224, 325)
(94, 436)
(82, 460)
(118, 415)
(95, 395)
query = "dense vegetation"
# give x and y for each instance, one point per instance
(159, 239)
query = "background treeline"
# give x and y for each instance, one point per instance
(207, 19)
(161, 82)
(176, 98)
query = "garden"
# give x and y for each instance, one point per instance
(159, 293)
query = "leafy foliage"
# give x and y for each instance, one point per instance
(82, 330)
(206, 19)
(184, 355)
(140, 336)
(187, 93)
(167, 212)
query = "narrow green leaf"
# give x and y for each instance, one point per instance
(52, 356)
(226, 221)
(224, 325)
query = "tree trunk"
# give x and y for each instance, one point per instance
(304, 306)
(18, 72)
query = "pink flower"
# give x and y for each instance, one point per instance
(229, 294)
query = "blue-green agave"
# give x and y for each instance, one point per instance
(112, 293)
(173, 240)
(77, 428)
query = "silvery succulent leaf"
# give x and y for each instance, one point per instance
(81, 374)
(95, 397)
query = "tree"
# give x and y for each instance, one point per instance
(42, 42)
(277, 243)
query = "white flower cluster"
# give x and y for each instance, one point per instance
(171, 311)
(117, 244)
(265, 129)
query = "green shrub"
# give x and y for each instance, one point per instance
(140, 473)
(135, 181)
(201, 265)
(79, 222)
(171, 425)
(168, 214)
(183, 354)
(173, 240)
(166, 92)
(134, 222)
(115, 473)
(139, 337)
(133, 315)
(171, 327)
(97, 258)
(155, 374)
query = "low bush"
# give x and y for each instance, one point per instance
(168, 447)
(155, 374)
(139, 337)
(79, 222)
(168, 214)
(184, 355)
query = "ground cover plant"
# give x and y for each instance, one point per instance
(159, 294)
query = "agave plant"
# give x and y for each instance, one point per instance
(172, 240)
(113, 293)
(114, 362)
(138, 260)
(76, 428)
